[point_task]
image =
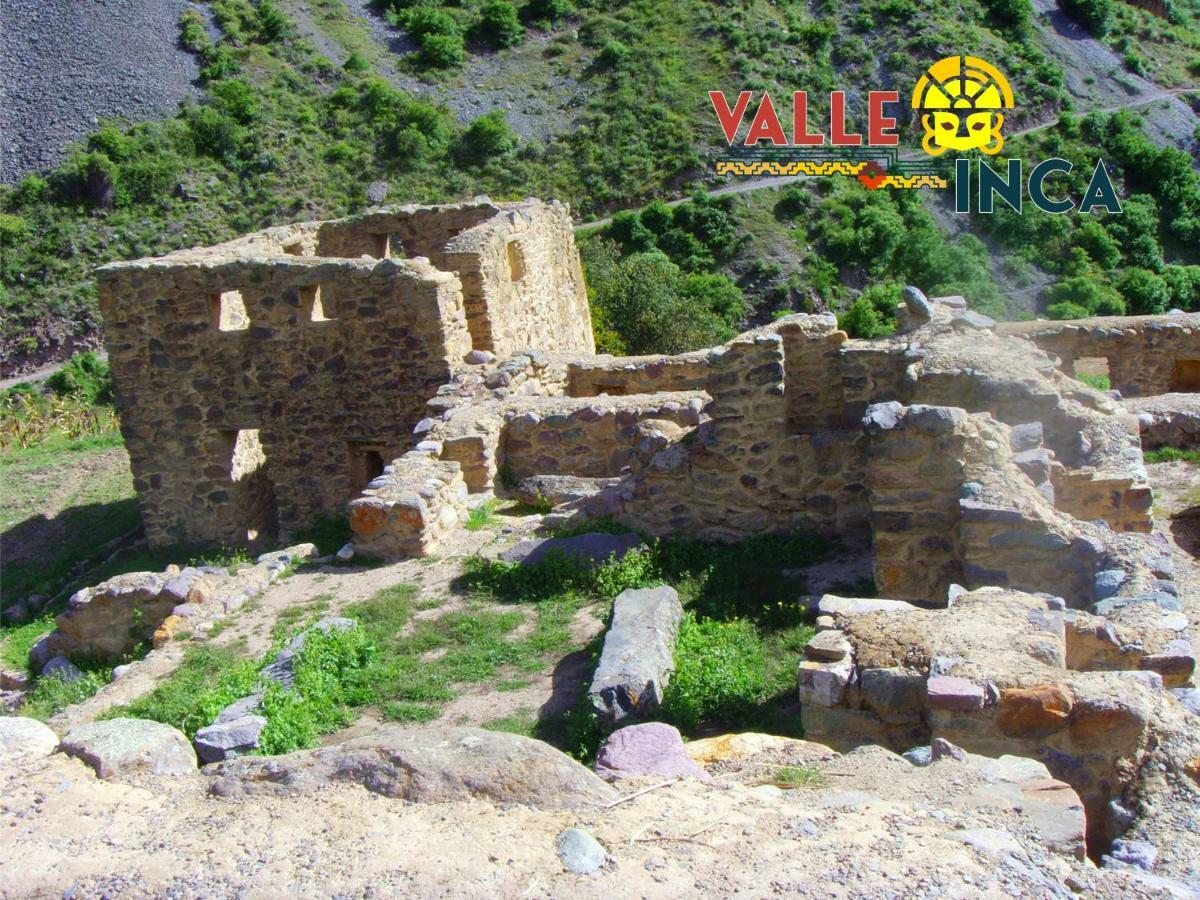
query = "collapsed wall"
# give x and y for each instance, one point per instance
(265, 382)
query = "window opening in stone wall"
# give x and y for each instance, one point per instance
(366, 464)
(253, 511)
(516, 262)
(1186, 376)
(311, 300)
(1091, 366)
(384, 246)
(229, 311)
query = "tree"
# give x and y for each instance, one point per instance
(1145, 293)
(652, 307)
(499, 24)
(1183, 285)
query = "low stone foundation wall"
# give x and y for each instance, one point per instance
(409, 509)
(1168, 420)
(593, 437)
(592, 376)
(1146, 355)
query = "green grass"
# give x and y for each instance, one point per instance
(522, 722)
(483, 516)
(1099, 382)
(797, 776)
(1172, 454)
(52, 694)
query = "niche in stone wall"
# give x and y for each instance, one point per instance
(251, 514)
(312, 301)
(366, 464)
(228, 311)
(516, 261)
(1185, 378)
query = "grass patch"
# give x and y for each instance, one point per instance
(1099, 382)
(208, 680)
(18, 640)
(720, 673)
(1172, 454)
(483, 516)
(797, 776)
(522, 722)
(53, 693)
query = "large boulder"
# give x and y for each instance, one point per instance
(594, 547)
(225, 740)
(131, 746)
(22, 738)
(639, 654)
(652, 748)
(429, 765)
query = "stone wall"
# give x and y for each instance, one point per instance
(617, 375)
(592, 437)
(1146, 355)
(264, 382)
(410, 508)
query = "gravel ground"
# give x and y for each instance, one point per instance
(65, 65)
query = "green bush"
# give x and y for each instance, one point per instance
(85, 376)
(1086, 292)
(1145, 293)
(872, 315)
(356, 63)
(1183, 286)
(486, 138)
(654, 307)
(443, 51)
(52, 694)
(1094, 15)
(547, 10)
(193, 34)
(720, 673)
(499, 24)
(273, 24)
(1066, 310)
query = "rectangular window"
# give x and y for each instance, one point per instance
(228, 311)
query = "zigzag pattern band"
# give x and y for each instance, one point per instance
(914, 181)
(795, 167)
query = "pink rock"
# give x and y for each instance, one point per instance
(652, 748)
(948, 692)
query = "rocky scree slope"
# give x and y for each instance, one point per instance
(67, 65)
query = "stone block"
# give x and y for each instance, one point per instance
(638, 658)
(947, 692)
(1034, 712)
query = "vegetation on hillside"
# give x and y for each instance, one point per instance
(284, 133)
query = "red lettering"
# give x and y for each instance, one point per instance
(730, 119)
(878, 125)
(766, 125)
(800, 135)
(837, 121)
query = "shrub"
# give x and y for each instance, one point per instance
(1066, 310)
(1094, 15)
(443, 51)
(499, 24)
(1086, 292)
(548, 10)
(52, 694)
(1183, 286)
(424, 20)
(236, 99)
(273, 24)
(1014, 15)
(486, 138)
(1145, 293)
(356, 63)
(614, 53)
(720, 673)
(214, 134)
(84, 376)
(192, 33)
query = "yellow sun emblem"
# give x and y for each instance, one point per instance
(959, 99)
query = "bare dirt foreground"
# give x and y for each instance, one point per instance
(872, 825)
(866, 823)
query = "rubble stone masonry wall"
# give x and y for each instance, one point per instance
(1146, 355)
(265, 382)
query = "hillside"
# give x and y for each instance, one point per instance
(308, 108)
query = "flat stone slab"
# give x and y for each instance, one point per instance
(639, 654)
(652, 748)
(131, 746)
(594, 547)
(552, 490)
(22, 738)
(831, 604)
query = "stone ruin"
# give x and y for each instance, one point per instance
(264, 382)
(400, 363)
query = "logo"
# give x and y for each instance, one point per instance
(959, 104)
(959, 100)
